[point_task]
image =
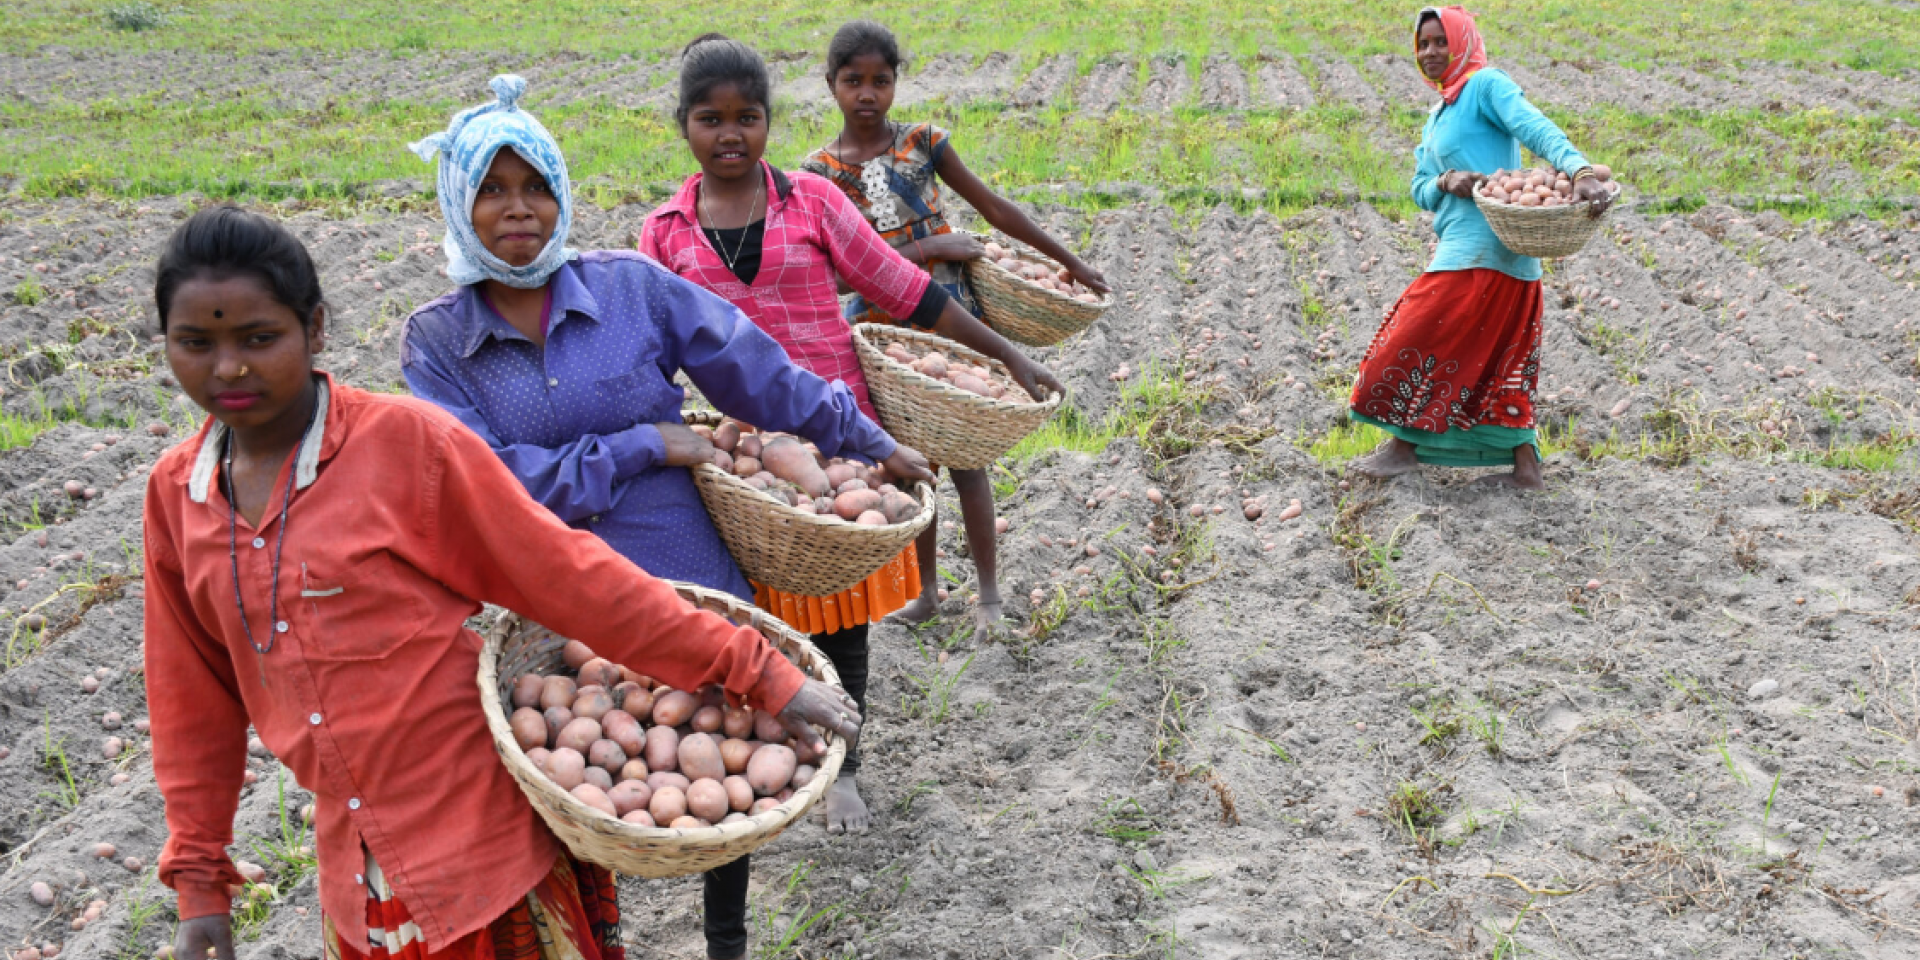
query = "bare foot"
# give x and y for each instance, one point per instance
(846, 812)
(1513, 481)
(922, 609)
(1390, 459)
(989, 617)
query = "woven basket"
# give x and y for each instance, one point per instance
(1539, 231)
(793, 552)
(515, 646)
(954, 428)
(1025, 313)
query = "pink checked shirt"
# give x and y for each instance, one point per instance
(813, 232)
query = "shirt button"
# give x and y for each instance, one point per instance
(359, 879)
(314, 719)
(281, 626)
(258, 543)
(553, 382)
(596, 519)
(353, 804)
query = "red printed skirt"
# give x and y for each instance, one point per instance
(1461, 349)
(573, 914)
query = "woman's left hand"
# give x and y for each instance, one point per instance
(821, 705)
(907, 464)
(1089, 277)
(683, 447)
(1598, 196)
(1035, 379)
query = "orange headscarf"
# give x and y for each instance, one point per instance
(1466, 53)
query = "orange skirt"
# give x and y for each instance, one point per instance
(888, 589)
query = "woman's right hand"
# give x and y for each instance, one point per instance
(193, 938)
(952, 246)
(684, 447)
(906, 463)
(1032, 377)
(821, 705)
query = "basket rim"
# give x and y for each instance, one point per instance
(921, 491)
(941, 387)
(1484, 202)
(987, 263)
(523, 771)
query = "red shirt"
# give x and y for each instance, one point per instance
(813, 232)
(402, 522)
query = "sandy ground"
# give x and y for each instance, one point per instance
(1669, 707)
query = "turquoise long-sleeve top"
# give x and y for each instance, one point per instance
(1482, 132)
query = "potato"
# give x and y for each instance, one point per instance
(557, 719)
(575, 654)
(790, 461)
(667, 804)
(726, 436)
(702, 431)
(761, 806)
(1602, 172)
(689, 822)
(628, 796)
(634, 698)
(723, 460)
(804, 753)
(738, 722)
(823, 506)
(579, 735)
(839, 473)
(538, 757)
(558, 692)
(898, 507)
(601, 673)
(620, 727)
(734, 817)
(674, 708)
(598, 777)
(739, 792)
(639, 818)
(663, 748)
(526, 690)
(770, 769)
(607, 755)
(872, 518)
(700, 757)
(767, 726)
(849, 506)
(803, 775)
(592, 703)
(529, 728)
(746, 466)
(850, 486)
(749, 446)
(734, 754)
(784, 795)
(707, 719)
(596, 798)
(970, 383)
(933, 365)
(667, 778)
(566, 768)
(636, 769)
(707, 799)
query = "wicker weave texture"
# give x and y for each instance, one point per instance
(954, 428)
(515, 647)
(799, 553)
(1539, 231)
(1026, 313)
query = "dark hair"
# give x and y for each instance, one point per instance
(857, 38)
(711, 60)
(225, 242)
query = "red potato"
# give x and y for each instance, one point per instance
(700, 758)
(558, 692)
(674, 708)
(579, 734)
(667, 804)
(839, 473)
(723, 460)
(597, 777)
(702, 431)
(788, 460)
(734, 754)
(663, 748)
(592, 703)
(803, 775)
(620, 727)
(898, 507)
(639, 818)
(608, 756)
(538, 757)
(761, 806)
(871, 518)
(849, 506)
(707, 799)
(737, 722)
(850, 486)
(629, 795)
(768, 727)
(630, 695)
(557, 719)
(636, 769)
(707, 719)
(750, 445)
(601, 673)
(770, 769)
(529, 728)
(566, 768)
(726, 436)
(734, 817)
(933, 365)
(526, 690)
(666, 778)
(689, 822)
(804, 753)
(575, 654)
(746, 466)
(784, 795)
(739, 792)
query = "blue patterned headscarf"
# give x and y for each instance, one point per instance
(466, 151)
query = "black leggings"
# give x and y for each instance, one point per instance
(725, 893)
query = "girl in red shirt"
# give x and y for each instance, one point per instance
(312, 556)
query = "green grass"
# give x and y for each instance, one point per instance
(1347, 440)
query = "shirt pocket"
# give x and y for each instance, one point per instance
(641, 395)
(365, 611)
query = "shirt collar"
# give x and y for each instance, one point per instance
(570, 296)
(686, 201)
(322, 440)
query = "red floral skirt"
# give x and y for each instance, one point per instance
(1461, 349)
(572, 914)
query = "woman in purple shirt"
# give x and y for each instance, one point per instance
(564, 362)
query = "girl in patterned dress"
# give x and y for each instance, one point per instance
(892, 172)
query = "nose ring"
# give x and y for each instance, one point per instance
(243, 371)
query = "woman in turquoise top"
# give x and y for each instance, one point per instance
(1451, 374)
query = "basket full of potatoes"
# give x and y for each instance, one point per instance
(1534, 212)
(642, 779)
(1030, 299)
(958, 407)
(799, 522)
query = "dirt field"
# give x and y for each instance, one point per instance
(1668, 708)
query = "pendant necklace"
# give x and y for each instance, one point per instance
(719, 246)
(279, 542)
